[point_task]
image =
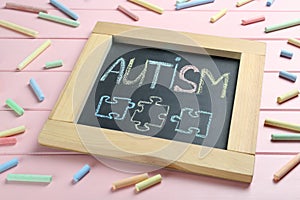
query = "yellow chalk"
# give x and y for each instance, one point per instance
(129, 181)
(12, 131)
(148, 5)
(242, 2)
(148, 183)
(283, 125)
(19, 28)
(217, 16)
(294, 41)
(35, 54)
(291, 94)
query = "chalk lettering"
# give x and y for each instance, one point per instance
(120, 72)
(181, 76)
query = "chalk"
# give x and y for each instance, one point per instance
(148, 183)
(287, 167)
(58, 19)
(14, 106)
(34, 55)
(288, 76)
(192, 3)
(81, 173)
(242, 2)
(26, 8)
(294, 41)
(286, 54)
(8, 141)
(12, 131)
(8, 165)
(253, 20)
(217, 16)
(181, 1)
(287, 96)
(37, 90)
(128, 13)
(285, 136)
(129, 181)
(269, 2)
(283, 25)
(18, 28)
(53, 64)
(283, 125)
(64, 9)
(148, 5)
(37, 178)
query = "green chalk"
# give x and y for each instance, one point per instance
(58, 19)
(285, 136)
(29, 178)
(284, 25)
(13, 105)
(52, 64)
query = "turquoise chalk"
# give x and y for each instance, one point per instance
(81, 173)
(37, 90)
(287, 75)
(285, 53)
(192, 3)
(64, 9)
(10, 164)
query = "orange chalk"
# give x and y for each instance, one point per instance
(286, 168)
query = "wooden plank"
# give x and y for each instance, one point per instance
(15, 51)
(287, 5)
(150, 19)
(92, 55)
(243, 133)
(15, 85)
(130, 147)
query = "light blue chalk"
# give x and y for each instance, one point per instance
(10, 164)
(285, 53)
(64, 9)
(270, 2)
(192, 3)
(38, 92)
(287, 75)
(81, 173)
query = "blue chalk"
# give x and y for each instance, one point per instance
(192, 3)
(64, 9)
(287, 75)
(270, 2)
(10, 164)
(285, 53)
(81, 173)
(38, 92)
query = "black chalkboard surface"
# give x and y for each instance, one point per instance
(161, 93)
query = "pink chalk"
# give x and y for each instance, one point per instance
(128, 13)
(253, 20)
(8, 141)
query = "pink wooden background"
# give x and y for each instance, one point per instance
(67, 43)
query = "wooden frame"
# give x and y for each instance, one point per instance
(235, 163)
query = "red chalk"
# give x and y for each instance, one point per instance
(128, 13)
(8, 141)
(26, 8)
(253, 20)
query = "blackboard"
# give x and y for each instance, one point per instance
(180, 100)
(162, 93)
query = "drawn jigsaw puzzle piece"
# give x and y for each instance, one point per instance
(188, 122)
(115, 109)
(150, 114)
